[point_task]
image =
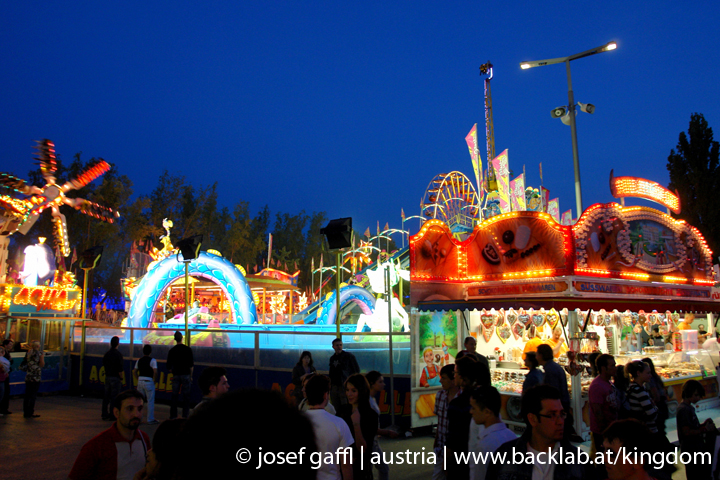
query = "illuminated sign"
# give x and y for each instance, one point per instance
(522, 289)
(625, 289)
(18, 299)
(647, 189)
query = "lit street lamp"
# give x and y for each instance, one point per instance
(571, 107)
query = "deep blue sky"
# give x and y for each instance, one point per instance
(351, 108)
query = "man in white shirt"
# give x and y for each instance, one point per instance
(485, 406)
(331, 432)
(712, 343)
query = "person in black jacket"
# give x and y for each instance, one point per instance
(180, 362)
(113, 365)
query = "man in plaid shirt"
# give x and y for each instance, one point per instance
(449, 391)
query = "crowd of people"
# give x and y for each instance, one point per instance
(628, 409)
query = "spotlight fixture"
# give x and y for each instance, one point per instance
(587, 107)
(338, 233)
(558, 112)
(190, 247)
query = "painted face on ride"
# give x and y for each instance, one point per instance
(352, 394)
(428, 357)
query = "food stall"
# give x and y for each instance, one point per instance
(594, 280)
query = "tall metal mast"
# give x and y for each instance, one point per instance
(487, 69)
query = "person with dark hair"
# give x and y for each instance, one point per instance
(690, 432)
(442, 399)
(555, 376)
(213, 383)
(658, 393)
(620, 440)
(119, 451)
(470, 345)
(145, 372)
(656, 339)
(621, 384)
(301, 370)
(534, 376)
(603, 402)
(212, 443)
(544, 416)
(377, 385)
(459, 418)
(642, 407)
(180, 362)
(592, 359)
(363, 423)
(113, 365)
(485, 406)
(342, 365)
(304, 407)
(331, 432)
(8, 345)
(164, 443)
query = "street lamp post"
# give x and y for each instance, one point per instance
(571, 106)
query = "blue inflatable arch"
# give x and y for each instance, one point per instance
(209, 266)
(350, 293)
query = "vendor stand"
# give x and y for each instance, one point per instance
(593, 280)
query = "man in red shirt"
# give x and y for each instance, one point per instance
(118, 452)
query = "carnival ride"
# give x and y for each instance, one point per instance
(451, 198)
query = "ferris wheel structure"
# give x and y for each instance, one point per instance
(452, 198)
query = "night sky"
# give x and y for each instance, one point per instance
(351, 108)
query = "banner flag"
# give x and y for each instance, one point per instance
(500, 166)
(472, 143)
(545, 197)
(270, 251)
(367, 232)
(566, 218)
(517, 194)
(554, 209)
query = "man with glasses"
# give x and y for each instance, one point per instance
(537, 453)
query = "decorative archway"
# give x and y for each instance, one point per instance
(326, 314)
(212, 267)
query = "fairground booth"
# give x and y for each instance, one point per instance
(607, 281)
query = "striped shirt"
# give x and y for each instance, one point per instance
(642, 406)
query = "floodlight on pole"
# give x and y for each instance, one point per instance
(339, 235)
(571, 106)
(190, 249)
(88, 261)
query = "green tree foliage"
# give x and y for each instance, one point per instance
(694, 173)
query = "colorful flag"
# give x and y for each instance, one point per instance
(270, 251)
(566, 218)
(472, 144)
(517, 194)
(500, 166)
(378, 227)
(321, 262)
(387, 227)
(74, 257)
(545, 197)
(554, 209)
(402, 214)
(312, 264)
(541, 180)
(367, 232)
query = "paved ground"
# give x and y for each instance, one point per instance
(46, 447)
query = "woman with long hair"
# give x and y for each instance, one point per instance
(641, 405)
(659, 395)
(302, 369)
(363, 423)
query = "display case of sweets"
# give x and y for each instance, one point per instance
(672, 366)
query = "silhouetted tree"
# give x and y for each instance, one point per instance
(695, 174)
